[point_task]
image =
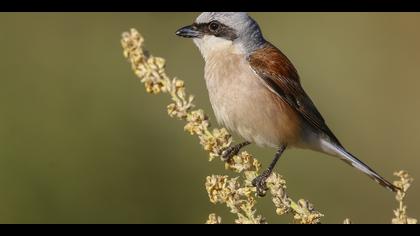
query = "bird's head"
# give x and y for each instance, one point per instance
(213, 31)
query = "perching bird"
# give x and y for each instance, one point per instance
(255, 91)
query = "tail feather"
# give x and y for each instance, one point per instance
(347, 157)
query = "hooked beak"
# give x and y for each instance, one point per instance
(189, 31)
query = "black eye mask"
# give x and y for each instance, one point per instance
(222, 31)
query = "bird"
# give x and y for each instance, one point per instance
(255, 92)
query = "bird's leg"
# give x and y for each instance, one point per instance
(259, 181)
(231, 151)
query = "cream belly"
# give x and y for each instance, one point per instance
(245, 106)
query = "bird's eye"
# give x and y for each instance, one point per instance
(213, 26)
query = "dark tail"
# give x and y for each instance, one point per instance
(358, 164)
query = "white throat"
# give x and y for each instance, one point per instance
(209, 45)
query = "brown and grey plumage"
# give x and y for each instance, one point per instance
(255, 91)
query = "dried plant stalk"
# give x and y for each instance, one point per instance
(347, 221)
(213, 219)
(400, 213)
(236, 193)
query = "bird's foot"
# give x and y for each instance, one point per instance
(229, 152)
(260, 183)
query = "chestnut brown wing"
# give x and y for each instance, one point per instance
(280, 76)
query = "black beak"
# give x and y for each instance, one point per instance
(189, 31)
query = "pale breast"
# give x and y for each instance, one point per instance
(244, 105)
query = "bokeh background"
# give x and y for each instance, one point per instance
(81, 141)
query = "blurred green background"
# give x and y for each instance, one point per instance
(82, 142)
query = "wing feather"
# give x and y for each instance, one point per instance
(281, 77)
